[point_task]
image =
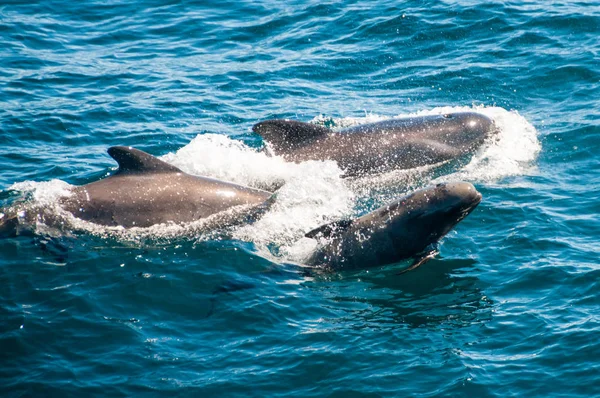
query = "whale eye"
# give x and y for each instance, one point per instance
(448, 116)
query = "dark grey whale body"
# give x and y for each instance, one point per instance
(378, 147)
(400, 230)
(146, 191)
(397, 231)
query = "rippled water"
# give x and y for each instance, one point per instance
(509, 307)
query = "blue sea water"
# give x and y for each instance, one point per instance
(511, 305)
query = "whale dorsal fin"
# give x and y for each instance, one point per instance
(288, 134)
(133, 160)
(328, 230)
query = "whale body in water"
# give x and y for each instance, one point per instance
(371, 148)
(397, 231)
(146, 191)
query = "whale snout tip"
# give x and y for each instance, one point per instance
(464, 191)
(474, 199)
(471, 122)
(480, 122)
(467, 130)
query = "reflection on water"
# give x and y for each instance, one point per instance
(440, 292)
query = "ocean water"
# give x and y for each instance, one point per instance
(510, 307)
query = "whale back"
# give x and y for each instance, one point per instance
(146, 191)
(397, 143)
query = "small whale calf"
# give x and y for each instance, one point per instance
(396, 231)
(379, 147)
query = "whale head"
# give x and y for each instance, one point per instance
(425, 216)
(464, 130)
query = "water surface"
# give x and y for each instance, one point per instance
(510, 306)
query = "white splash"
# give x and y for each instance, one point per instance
(44, 193)
(510, 153)
(311, 193)
(220, 157)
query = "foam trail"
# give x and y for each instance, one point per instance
(44, 193)
(218, 156)
(312, 193)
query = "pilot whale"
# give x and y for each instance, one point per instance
(402, 143)
(146, 190)
(400, 230)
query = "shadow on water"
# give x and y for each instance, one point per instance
(440, 292)
(212, 278)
